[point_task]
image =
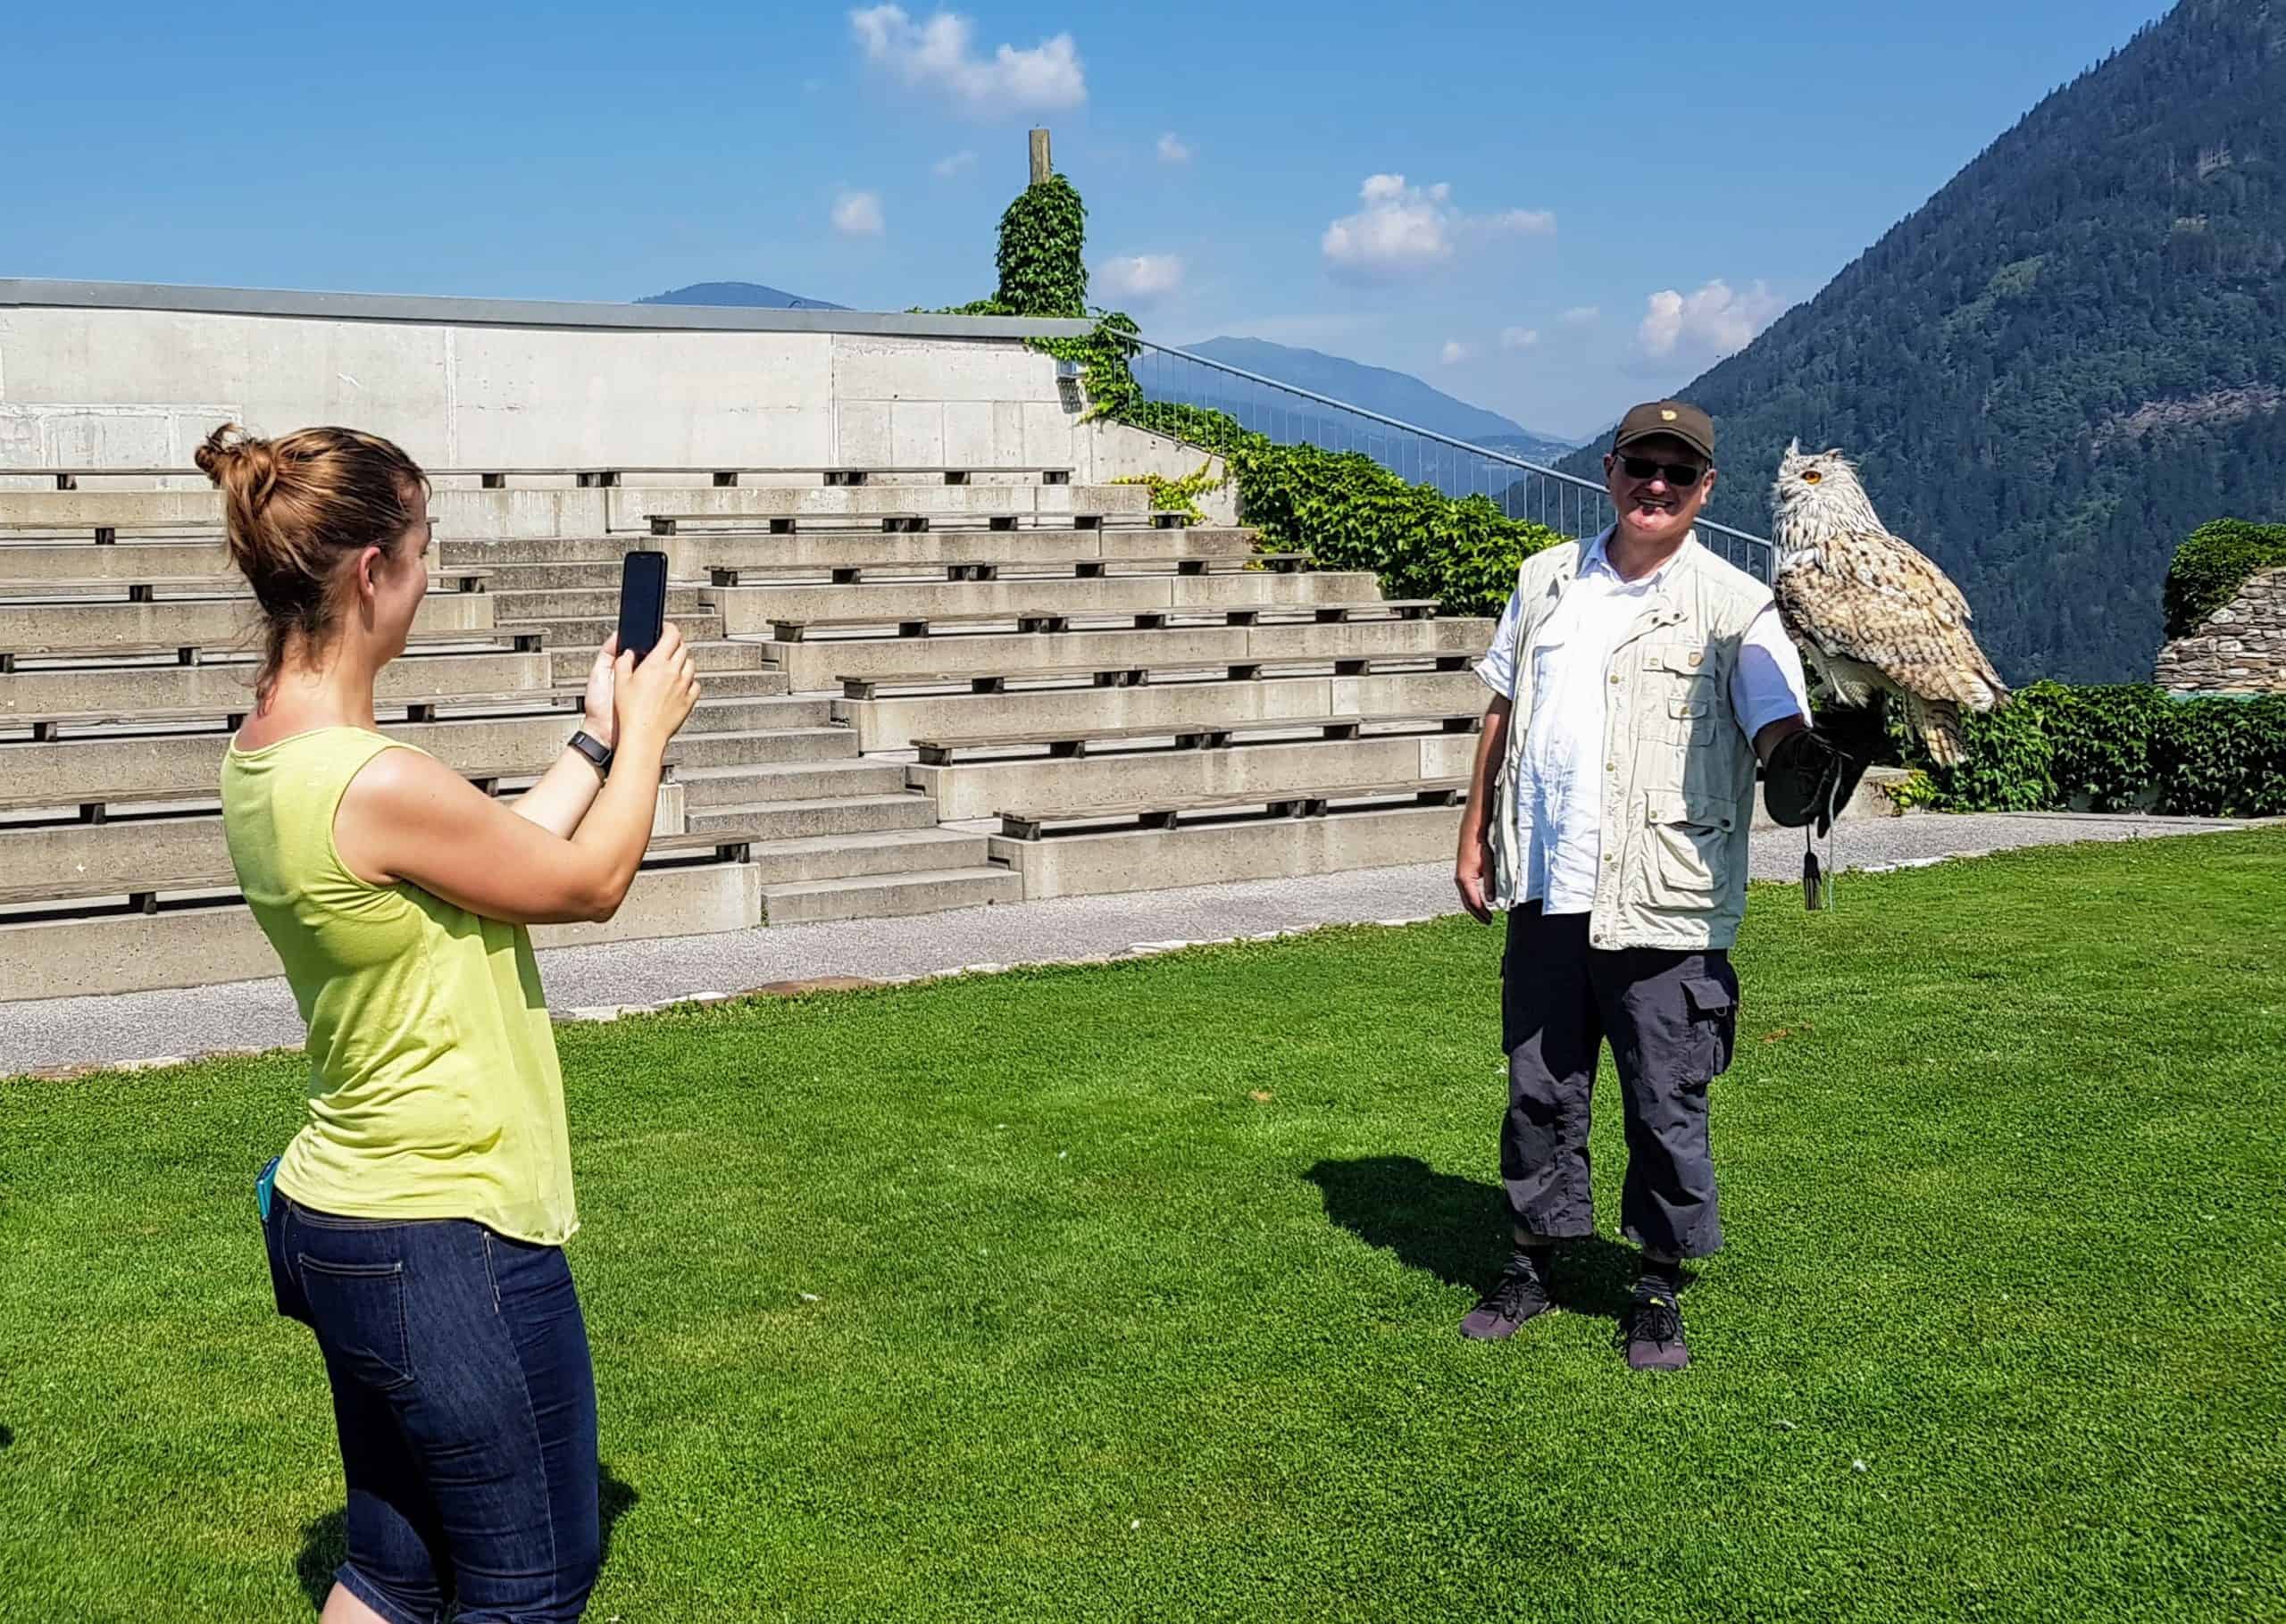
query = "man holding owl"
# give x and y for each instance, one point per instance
(1638, 680)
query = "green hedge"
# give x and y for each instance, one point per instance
(2213, 563)
(2115, 748)
(1352, 514)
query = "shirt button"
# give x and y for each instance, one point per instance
(1614, 679)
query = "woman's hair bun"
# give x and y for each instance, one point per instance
(238, 462)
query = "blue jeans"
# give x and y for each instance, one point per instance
(466, 1407)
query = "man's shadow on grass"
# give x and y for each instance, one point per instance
(325, 1543)
(1458, 1230)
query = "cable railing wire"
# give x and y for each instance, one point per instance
(1520, 489)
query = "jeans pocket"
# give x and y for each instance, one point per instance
(1713, 1026)
(358, 1312)
(283, 1291)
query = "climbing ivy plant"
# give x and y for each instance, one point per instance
(1043, 236)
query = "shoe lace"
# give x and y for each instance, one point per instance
(1513, 1289)
(1657, 1321)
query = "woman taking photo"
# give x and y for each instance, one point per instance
(417, 1219)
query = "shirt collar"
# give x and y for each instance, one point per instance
(1596, 559)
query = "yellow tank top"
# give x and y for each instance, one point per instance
(434, 1091)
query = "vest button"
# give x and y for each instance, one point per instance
(1614, 679)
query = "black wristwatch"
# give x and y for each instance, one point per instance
(596, 752)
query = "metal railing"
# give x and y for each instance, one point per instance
(1520, 489)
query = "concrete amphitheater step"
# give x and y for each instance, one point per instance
(836, 816)
(572, 659)
(736, 712)
(762, 746)
(810, 859)
(552, 602)
(200, 946)
(888, 896)
(709, 788)
(755, 609)
(1202, 854)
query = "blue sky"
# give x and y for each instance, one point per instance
(1593, 205)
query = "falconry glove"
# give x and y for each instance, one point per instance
(1809, 778)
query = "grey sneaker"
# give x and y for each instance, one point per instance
(1655, 1336)
(1520, 1292)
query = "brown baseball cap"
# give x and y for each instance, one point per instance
(1676, 417)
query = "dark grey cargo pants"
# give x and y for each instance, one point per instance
(1671, 1019)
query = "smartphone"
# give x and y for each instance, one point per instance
(642, 603)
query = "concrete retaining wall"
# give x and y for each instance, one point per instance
(125, 376)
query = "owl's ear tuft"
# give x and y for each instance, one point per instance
(1794, 446)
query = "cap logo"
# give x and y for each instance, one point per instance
(1666, 416)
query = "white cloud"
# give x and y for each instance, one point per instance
(953, 164)
(1171, 150)
(1140, 278)
(857, 215)
(1405, 231)
(1714, 320)
(1519, 337)
(1580, 315)
(940, 53)
(1454, 352)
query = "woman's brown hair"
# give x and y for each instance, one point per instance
(296, 509)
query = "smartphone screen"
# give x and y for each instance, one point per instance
(642, 603)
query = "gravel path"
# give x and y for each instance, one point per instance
(140, 1027)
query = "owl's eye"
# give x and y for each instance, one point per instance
(1811, 476)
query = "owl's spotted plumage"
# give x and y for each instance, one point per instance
(1872, 613)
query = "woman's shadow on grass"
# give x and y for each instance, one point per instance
(325, 1542)
(1458, 1230)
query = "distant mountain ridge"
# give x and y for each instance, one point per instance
(738, 295)
(1391, 394)
(2068, 359)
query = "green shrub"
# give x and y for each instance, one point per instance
(2224, 757)
(1352, 514)
(2008, 765)
(2115, 748)
(2211, 566)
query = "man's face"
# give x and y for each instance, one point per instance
(1654, 502)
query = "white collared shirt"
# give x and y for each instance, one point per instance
(1559, 796)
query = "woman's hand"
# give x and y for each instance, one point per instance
(655, 699)
(601, 717)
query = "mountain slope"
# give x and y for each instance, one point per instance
(741, 296)
(1398, 395)
(2069, 358)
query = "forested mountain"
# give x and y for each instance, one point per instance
(1392, 394)
(742, 295)
(2069, 358)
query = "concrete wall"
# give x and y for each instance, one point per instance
(129, 377)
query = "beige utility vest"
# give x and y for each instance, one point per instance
(1679, 775)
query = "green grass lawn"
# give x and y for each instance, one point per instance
(1131, 1292)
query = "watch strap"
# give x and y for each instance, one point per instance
(598, 752)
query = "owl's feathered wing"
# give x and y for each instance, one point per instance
(1874, 613)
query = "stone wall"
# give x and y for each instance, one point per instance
(2239, 649)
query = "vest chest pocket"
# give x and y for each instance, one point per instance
(1689, 863)
(1679, 679)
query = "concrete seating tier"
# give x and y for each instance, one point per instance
(60, 625)
(1095, 568)
(1166, 700)
(482, 514)
(127, 654)
(1149, 619)
(584, 478)
(217, 687)
(826, 663)
(1252, 764)
(757, 609)
(1214, 839)
(1070, 744)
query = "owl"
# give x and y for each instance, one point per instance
(1872, 614)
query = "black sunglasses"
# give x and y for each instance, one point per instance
(1681, 475)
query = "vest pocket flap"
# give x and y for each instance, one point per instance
(1701, 811)
(1690, 709)
(1676, 659)
(1708, 996)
